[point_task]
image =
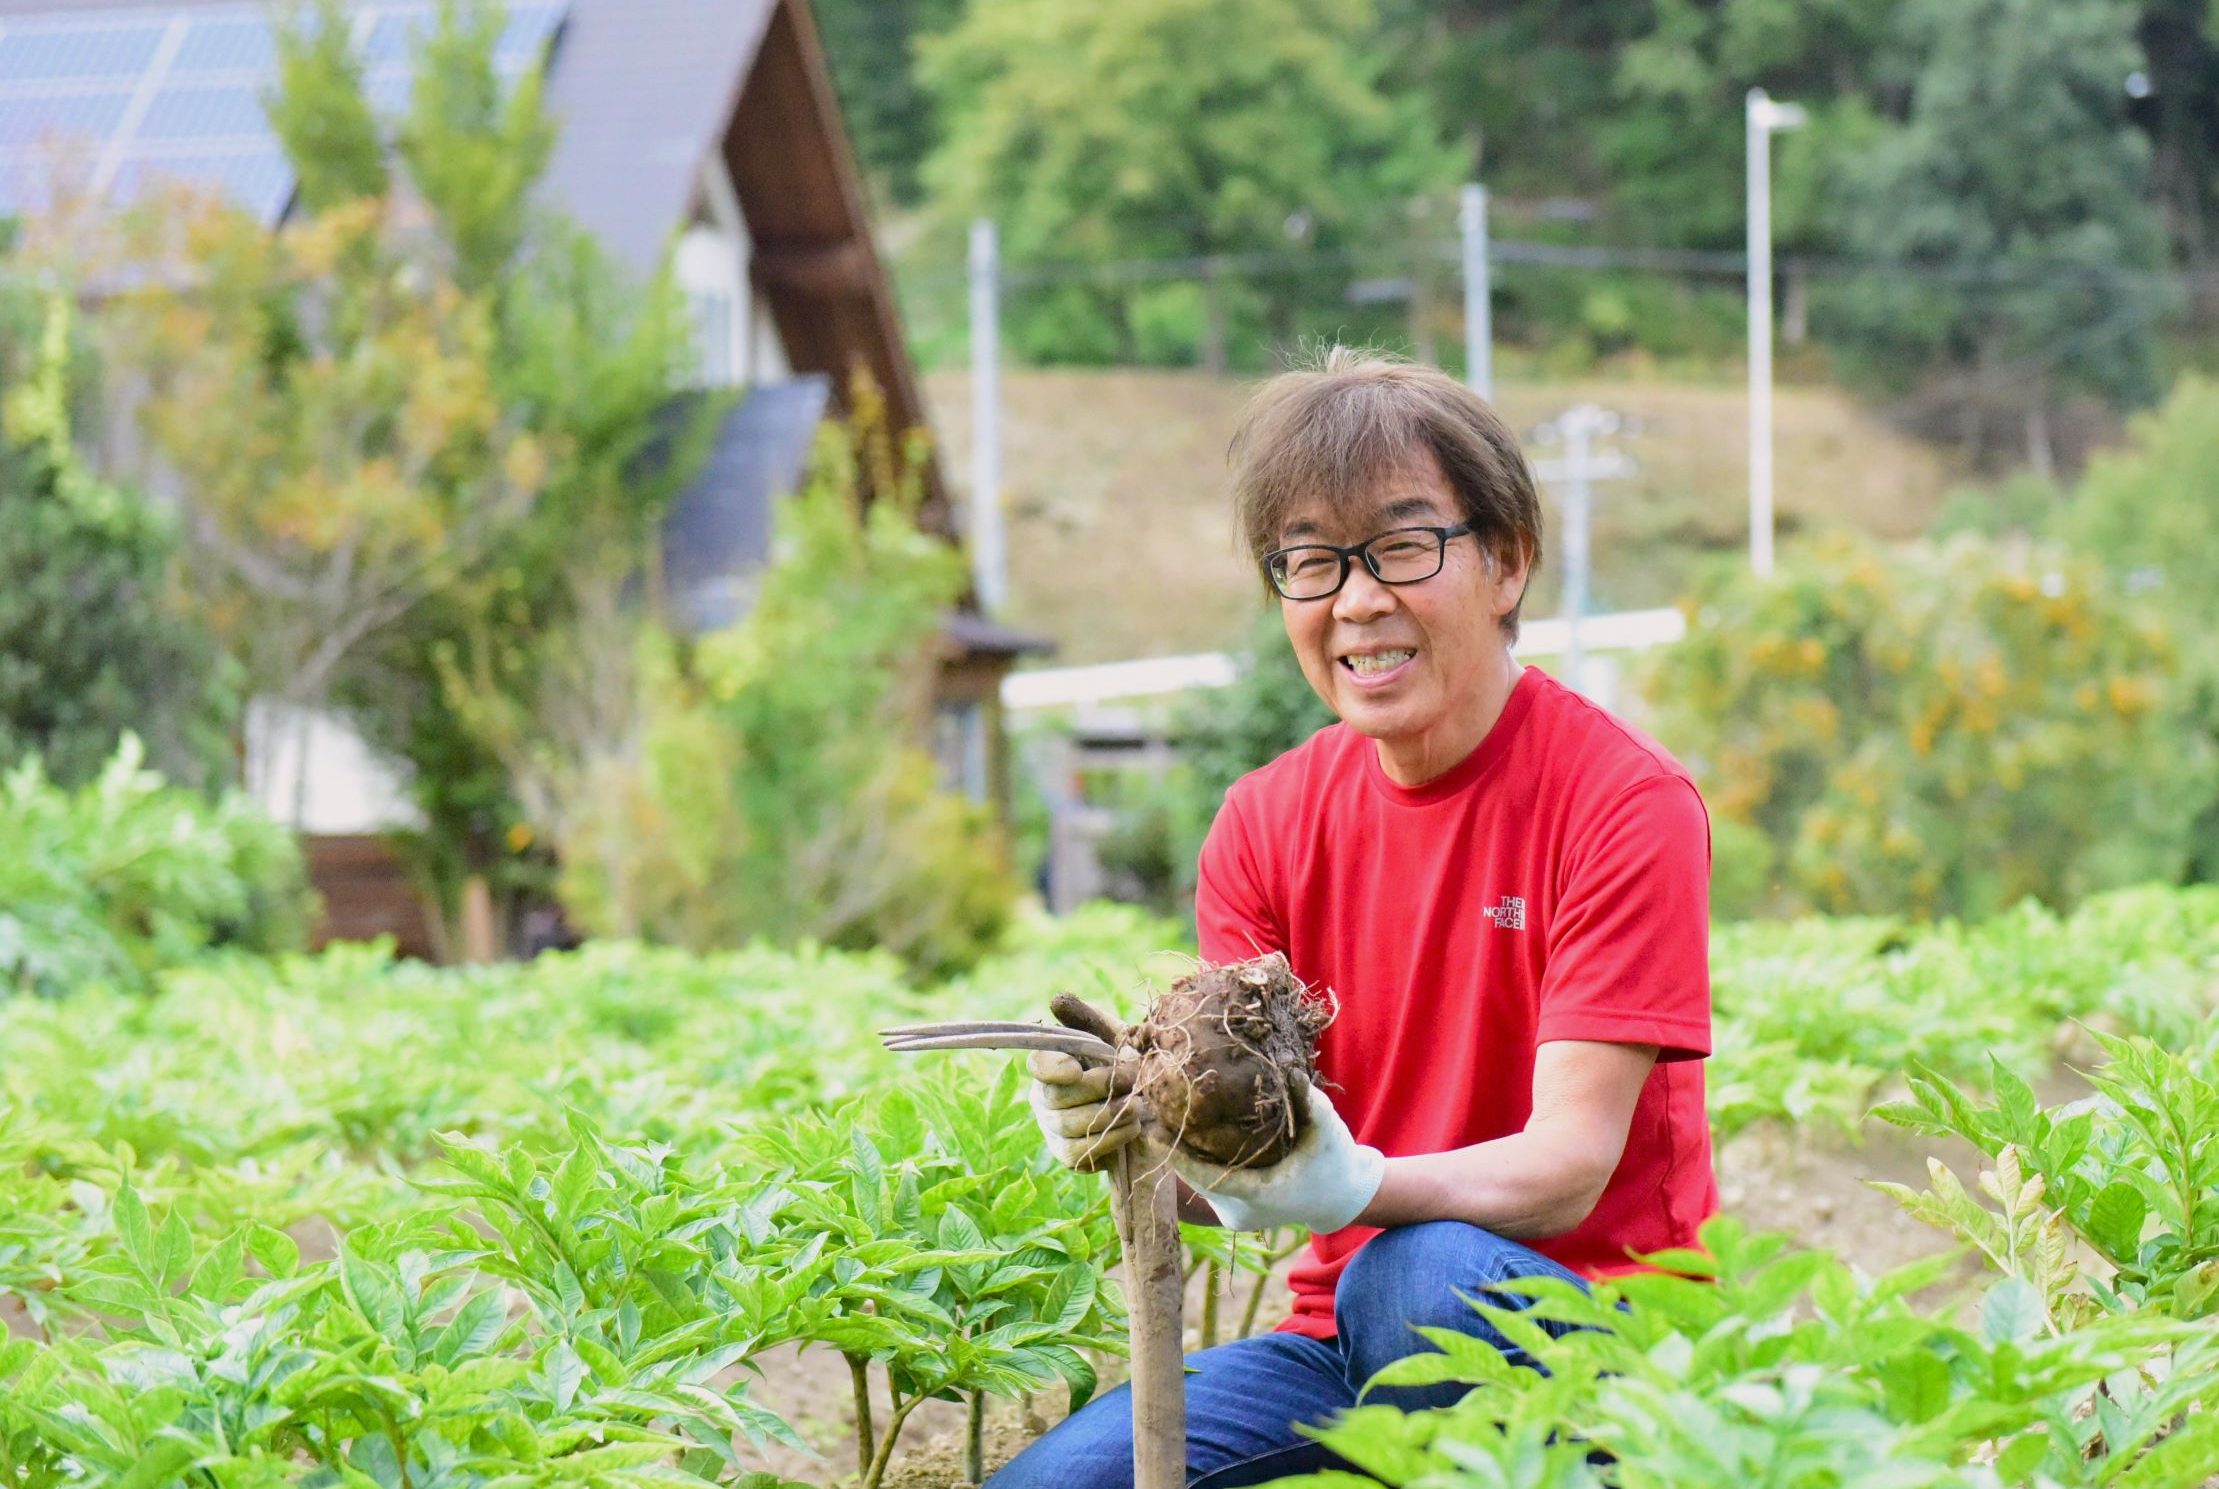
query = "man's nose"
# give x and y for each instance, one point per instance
(1362, 597)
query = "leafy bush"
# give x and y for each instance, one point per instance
(1939, 731)
(2149, 511)
(562, 1282)
(775, 786)
(92, 642)
(126, 875)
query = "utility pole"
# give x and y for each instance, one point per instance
(1763, 117)
(1582, 465)
(989, 564)
(1479, 321)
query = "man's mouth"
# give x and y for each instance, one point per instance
(1374, 663)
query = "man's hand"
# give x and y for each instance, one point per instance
(1324, 1182)
(1084, 1111)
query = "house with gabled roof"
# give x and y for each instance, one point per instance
(706, 130)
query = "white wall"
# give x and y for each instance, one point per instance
(311, 771)
(739, 342)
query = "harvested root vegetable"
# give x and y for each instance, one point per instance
(1227, 1058)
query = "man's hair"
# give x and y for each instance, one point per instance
(1331, 430)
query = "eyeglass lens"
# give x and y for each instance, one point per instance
(1395, 557)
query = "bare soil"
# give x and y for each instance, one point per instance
(1120, 531)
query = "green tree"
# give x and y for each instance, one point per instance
(324, 396)
(1938, 731)
(93, 643)
(321, 113)
(1674, 141)
(768, 782)
(474, 148)
(2149, 510)
(870, 47)
(1171, 128)
(2016, 165)
(574, 358)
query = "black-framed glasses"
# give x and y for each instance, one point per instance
(1402, 555)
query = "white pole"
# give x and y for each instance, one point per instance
(1579, 425)
(1479, 323)
(1576, 472)
(1762, 117)
(989, 563)
(1760, 332)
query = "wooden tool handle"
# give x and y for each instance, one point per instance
(1144, 1198)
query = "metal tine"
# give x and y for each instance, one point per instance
(996, 1039)
(1069, 1042)
(972, 1026)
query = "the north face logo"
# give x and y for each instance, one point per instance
(1510, 915)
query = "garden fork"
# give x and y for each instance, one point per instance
(1144, 1201)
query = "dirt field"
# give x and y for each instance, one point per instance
(1120, 541)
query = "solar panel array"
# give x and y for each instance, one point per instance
(108, 103)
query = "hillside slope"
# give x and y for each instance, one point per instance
(1121, 541)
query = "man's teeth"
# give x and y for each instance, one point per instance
(1366, 663)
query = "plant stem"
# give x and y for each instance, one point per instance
(859, 1371)
(875, 1472)
(1263, 1279)
(974, 1441)
(1210, 1288)
(1255, 1303)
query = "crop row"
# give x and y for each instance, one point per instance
(341, 1220)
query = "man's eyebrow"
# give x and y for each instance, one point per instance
(1409, 506)
(1388, 515)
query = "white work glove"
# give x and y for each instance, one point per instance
(1324, 1182)
(1082, 1110)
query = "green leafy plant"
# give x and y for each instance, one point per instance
(126, 875)
(1752, 1361)
(967, 1264)
(2131, 1173)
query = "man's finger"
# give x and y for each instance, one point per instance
(1090, 1120)
(1068, 1083)
(1092, 1155)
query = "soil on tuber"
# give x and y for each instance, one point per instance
(1224, 1058)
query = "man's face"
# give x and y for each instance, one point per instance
(1401, 663)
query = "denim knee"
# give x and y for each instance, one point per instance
(1419, 1276)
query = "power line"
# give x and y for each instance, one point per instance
(1513, 252)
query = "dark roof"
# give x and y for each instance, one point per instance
(718, 531)
(814, 258)
(643, 90)
(976, 634)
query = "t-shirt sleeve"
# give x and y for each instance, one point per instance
(1629, 943)
(1233, 918)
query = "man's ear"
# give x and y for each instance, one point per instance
(1512, 572)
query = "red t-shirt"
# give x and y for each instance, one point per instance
(1552, 885)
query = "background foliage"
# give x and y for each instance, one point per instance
(124, 875)
(775, 785)
(1939, 729)
(94, 641)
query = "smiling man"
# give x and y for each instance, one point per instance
(1504, 887)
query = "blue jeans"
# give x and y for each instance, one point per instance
(1244, 1399)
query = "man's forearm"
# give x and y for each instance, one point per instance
(1525, 1187)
